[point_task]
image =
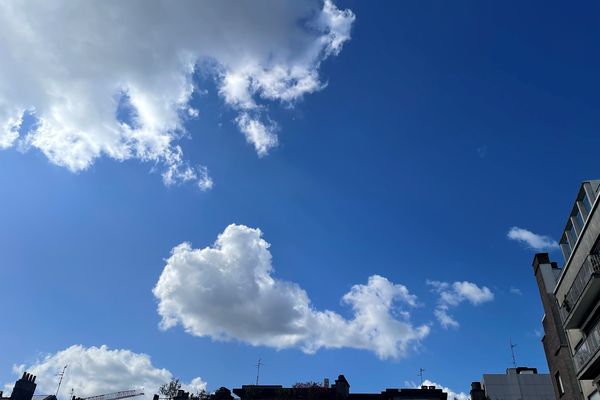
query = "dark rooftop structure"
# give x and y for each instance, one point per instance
(25, 388)
(340, 390)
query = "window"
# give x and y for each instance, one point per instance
(559, 384)
(586, 203)
(596, 248)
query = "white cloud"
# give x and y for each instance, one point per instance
(228, 292)
(193, 112)
(532, 240)
(262, 136)
(98, 370)
(451, 295)
(447, 321)
(76, 69)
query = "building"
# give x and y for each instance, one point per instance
(577, 293)
(517, 384)
(556, 348)
(340, 390)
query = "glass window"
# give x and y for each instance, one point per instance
(580, 220)
(586, 203)
(559, 384)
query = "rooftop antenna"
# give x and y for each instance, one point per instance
(512, 352)
(61, 374)
(421, 370)
(258, 364)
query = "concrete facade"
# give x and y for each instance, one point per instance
(577, 295)
(517, 384)
(578, 287)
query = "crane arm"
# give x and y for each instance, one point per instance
(117, 395)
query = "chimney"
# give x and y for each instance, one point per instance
(24, 388)
(477, 393)
(342, 387)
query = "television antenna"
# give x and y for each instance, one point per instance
(420, 374)
(258, 364)
(512, 352)
(61, 374)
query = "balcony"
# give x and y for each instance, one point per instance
(583, 293)
(586, 358)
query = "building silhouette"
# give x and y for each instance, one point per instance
(340, 390)
(24, 389)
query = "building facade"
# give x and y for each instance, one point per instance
(556, 347)
(577, 293)
(517, 384)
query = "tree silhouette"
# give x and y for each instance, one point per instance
(170, 389)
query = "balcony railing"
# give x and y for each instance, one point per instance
(590, 267)
(588, 348)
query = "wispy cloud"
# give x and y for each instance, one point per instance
(515, 290)
(532, 240)
(452, 294)
(482, 151)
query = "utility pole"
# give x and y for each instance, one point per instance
(258, 364)
(61, 374)
(421, 370)
(512, 352)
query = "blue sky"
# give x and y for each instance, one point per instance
(436, 128)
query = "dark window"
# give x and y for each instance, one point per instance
(596, 248)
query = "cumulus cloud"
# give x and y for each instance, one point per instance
(228, 292)
(115, 78)
(453, 294)
(532, 240)
(98, 370)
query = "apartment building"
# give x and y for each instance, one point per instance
(577, 295)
